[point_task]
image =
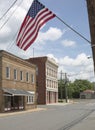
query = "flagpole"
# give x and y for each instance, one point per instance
(33, 52)
(73, 30)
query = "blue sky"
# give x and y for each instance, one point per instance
(55, 39)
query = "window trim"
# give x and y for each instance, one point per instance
(27, 77)
(8, 72)
(31, 99)
(32, 79)
(15, 74)
(21, 75)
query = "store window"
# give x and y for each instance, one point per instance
(30, 99)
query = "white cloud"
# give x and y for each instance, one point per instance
(26, 4)
(81, 59)
(77, 68)
(79, 64)
(53, 57)
(68, 43)
(22, 12)
(52, 34)
(15, 19)
(5, 32)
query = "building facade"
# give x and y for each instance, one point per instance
(47, 80)
(17, 83)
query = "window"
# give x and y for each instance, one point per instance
(21, 75)
(15, 74)
(27, 76)
(7, 72)
(32, 78)
(30, 99)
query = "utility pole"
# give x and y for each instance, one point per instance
(66, 91)
(91, 17)
(65, 86)
(61, 93)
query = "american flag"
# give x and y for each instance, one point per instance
(37, 15)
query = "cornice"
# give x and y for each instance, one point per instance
(15, 58)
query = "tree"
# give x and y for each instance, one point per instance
(73, 89)
(79, 86)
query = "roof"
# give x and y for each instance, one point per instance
(43, 59)
(88, 91)
(15, 58)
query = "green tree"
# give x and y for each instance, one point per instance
(73, 89)
(79, 86)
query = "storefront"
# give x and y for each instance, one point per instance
(52, 97)
(14, 99)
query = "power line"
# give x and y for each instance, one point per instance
(10, 16)
(73, 29)
(12, 43)
(79, 73)
(8, 9)
(56, 16)
(13, 40)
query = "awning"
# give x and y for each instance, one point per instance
(16, 92)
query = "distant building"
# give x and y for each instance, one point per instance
(47, 80)
(87, 94)
(17, 83)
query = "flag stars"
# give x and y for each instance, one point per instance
(36, 17)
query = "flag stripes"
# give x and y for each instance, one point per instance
(30, 27)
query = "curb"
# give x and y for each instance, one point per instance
(21, 112)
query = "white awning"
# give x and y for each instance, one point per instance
(16, 92)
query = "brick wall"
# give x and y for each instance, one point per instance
(11, 83)
(41, 78)
(13, 62)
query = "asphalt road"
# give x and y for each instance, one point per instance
(55, 117)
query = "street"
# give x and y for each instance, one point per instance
(55, 117)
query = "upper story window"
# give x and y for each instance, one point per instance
(15, 74)
(21, 75)
(32, 78)
(7, 72)
(27, 77)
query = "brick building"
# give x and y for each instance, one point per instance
(47, 81)
(17, 83)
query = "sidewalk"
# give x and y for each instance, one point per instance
(40, 108)
(20, 112)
